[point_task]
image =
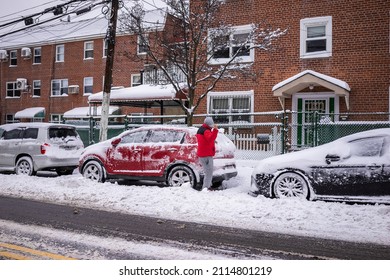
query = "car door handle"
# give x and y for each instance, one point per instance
(172, 149)
(137, 150)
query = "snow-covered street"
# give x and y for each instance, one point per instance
(231, 207)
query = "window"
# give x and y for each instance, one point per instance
(143, 45)
(30, 133)
(12, 91)
(88, 50)
(158, 136)
(10, 118)
(60, 53)
(105, 48)
(37, 55)
(16, 133)
(13, 58)
(135, 80)
(36, 88)
(224, 47)
(367, 147)
(56, 118)
(227, 103)
(88, 85)
(316, 37)
(135, 137)
(59, 87)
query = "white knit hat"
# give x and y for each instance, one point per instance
(209, 121)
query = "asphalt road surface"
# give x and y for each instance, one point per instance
(231, 242)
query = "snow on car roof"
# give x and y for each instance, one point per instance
(30, 124)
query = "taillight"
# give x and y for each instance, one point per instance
(43, 148)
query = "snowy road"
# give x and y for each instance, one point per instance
(200, 240)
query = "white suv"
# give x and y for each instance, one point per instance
(26, 148)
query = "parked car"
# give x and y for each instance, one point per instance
(26, 148)
(157, 153)
(355, 167)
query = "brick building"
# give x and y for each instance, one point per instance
(335, 58)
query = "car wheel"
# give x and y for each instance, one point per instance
(64, 171)
(24, 166)
(180, 175)
(291, 184)
(94, 171)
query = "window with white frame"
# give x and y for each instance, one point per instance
(135, 80)
(316, 37)
(59, 87)
(37, 55)
(56, 118)
(88, 85)
(226, 103)
(142, 46)
(10, 118)
(13, 58)
(224, 47)
(12, 90)
(60, 53)
(88, 50)
(105, 47)
(36, 88)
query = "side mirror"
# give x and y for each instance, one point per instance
(116, 141)
(331, 158)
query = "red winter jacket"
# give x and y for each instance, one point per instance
(206, 141)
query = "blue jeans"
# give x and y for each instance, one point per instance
(208, 167)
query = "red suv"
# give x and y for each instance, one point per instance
(157, 153)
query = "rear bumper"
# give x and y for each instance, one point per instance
(44, 162)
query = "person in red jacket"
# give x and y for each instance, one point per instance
(206, 136)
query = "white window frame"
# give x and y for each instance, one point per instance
(13, 58)
(88, 83)
(140, 45)
(230, 95)
(60, 53)
(313, 22)
(133, 77)
(105, 48)
(36, 86)
(56, 118)
(10, 118)
(15, 92)
(63, 87)
(37, 53)
(240, 59)
(88, 50)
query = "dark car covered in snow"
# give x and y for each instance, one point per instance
(26, 148)
(157, 153)
(355, 167)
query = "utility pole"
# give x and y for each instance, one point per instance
(111, 34)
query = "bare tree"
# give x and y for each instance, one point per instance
(197, 48)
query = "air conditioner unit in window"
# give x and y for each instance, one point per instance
(3, 55)
(26, 53)
(21, 84)
(73, 89)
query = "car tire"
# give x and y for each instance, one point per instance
(64, 171)
(180, 175)
(94, 171)
(24, 166)
(291, 184)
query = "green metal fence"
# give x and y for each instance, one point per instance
(267, 133)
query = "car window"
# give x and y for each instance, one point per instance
(166, 136)
(367, 147)
(134, 137)
(62, 132)
(1, 132)
(13, 134)
(30, 133)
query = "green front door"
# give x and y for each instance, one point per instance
(310, 111)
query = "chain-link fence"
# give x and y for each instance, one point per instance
(257, 135)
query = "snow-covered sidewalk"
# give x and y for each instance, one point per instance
(232, 207)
